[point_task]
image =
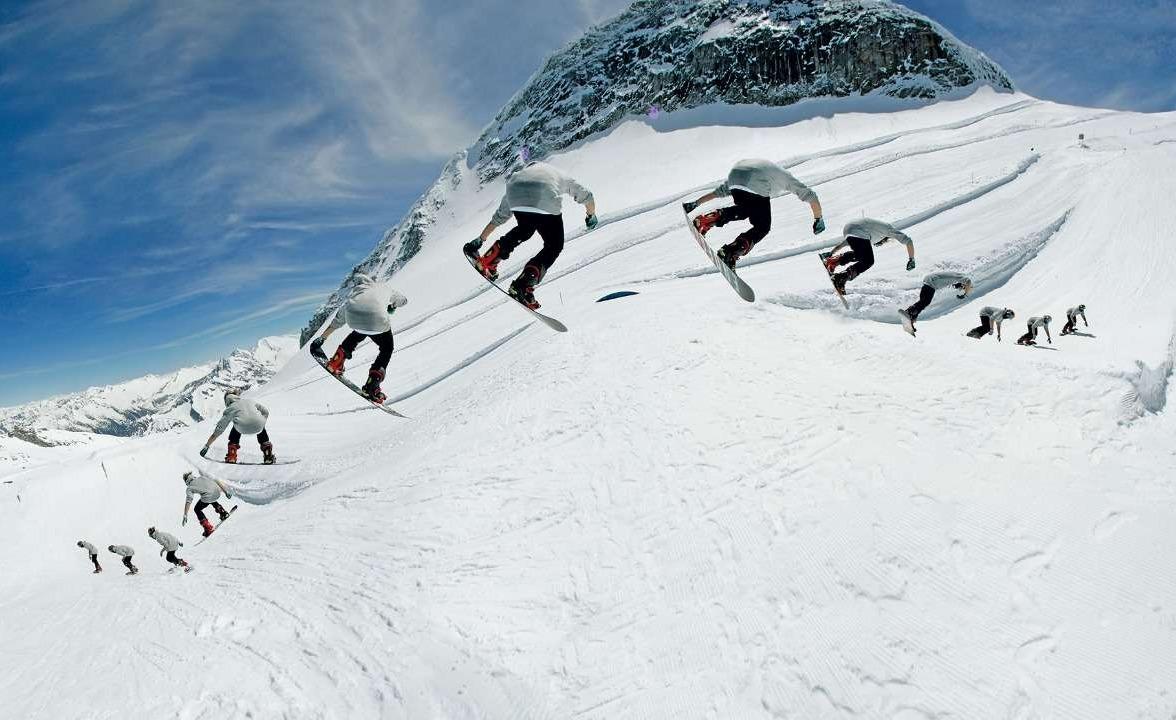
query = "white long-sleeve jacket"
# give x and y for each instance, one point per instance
(167, 541)
(124, 550)
(994, 314)
(944, 279)
(369, 308)
(764, 178)
(89, 547)
(247, 416)
(538, 188)
(207, 488)
(875, 230)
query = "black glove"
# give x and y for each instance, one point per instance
(316, 351)
(472, 247)
(911, 264)
(204, 451)
(818, 226)
(591, 221)
(689, 206)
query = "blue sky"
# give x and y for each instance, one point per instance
(181, 178)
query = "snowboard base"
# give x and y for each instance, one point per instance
(322, 362)
(840, 295)
(217, 526)
(550, 322)
(279, 462)
(741, 288)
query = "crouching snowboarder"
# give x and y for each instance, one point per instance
(990, 318)
(93, 554)
(209, 490)
(248, 417)
(533, 196)
(168, 544)
(368, 313)
(751, 184)
(862, 236)
(1035, 323)
(126, 552)
(1072, 316)
(932, 282)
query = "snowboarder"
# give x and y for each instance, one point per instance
(209, 489)
(752, 184)
(1072, 316)
(168, 544)
(367, 313)
(88, 547)
(533, 196)
(1030, 336)
(990, 317)
(859, 234)
(126, 552)
(248, 417)
(932, 282)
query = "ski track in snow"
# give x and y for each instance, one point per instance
(687, 506)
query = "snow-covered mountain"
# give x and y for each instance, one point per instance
(665, 56)
(145, 405)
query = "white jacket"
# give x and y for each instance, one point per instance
(875, 230)
(538, 188)
(765, 178)
(124, 550)
(248, 417)
(944, 278)
(369, 307)
(204, 486)
(89, 547)
(166, 540)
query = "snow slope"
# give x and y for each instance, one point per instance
(687, 506)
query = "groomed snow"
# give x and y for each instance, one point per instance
(687, 506)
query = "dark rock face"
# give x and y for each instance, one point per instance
(680, 54)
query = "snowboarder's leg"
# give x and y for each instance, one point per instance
(926, 295)
(1026, 339)
(220, 510)
(862, 253)
(551, 229)
(984, 328)
(376, 372)
(344, 351)
(523, 230)
(234, 446)
(267, 448)
(127, 562)
(757, 209)
(97, 566)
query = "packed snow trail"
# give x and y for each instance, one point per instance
(687, 506)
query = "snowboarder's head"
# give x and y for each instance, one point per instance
(110, 548)
(232, 396)
(361, 280)
(1081, 308)
(1008, 314)
(151, 531)
(80, 543)
(965, 288)
(189, 477)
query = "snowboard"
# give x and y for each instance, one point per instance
(280, 462)
(907, 324)
(550, 322)
(840, 295)
(741, 288)
(216, 527)
(322, 361)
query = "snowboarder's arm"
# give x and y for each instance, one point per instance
(396, 300)
(689, 206)
(1047, 335)
(263, 410)
(1083, 314)
(224, 488)
(501, 215)
(838, 247)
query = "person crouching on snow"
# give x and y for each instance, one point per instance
(367, 312)
(209, 489)
(168, 544)
(937, 281)
(990, 318)
(248, 418)
(1030, 336)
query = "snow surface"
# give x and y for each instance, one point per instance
(687, 506)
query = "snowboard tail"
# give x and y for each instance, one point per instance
(840, 294)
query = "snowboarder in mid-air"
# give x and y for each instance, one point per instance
(248, 417)
(991, 318)
(752, 184)
(533, 196)
(209, 489)
(1072, 316)
(932, 282)
(168, 544)
(862, 236)
(367, 312)
(88, 547)
(1035, 323)
(126, 552)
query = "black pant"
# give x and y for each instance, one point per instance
(861, 254)
(383, 341)
(235, 437)
(925, 296)
(200, 505)
(94, 559)
(748, 206)
(127, 562)
(983, 329)
(171, 558)
(549, 227)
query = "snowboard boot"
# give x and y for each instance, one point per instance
(371, 388)
(335, 365)
(231, 455)
(267, 453)
(488, 264)
(839, 280)
(97, 570)
(220, 511)
(732, 251)
(523, 287)
(704, 222)
(831, 263)
(207, 525)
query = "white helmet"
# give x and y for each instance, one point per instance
(189, 477)
(232, 396)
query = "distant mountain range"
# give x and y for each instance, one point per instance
(150, 404)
